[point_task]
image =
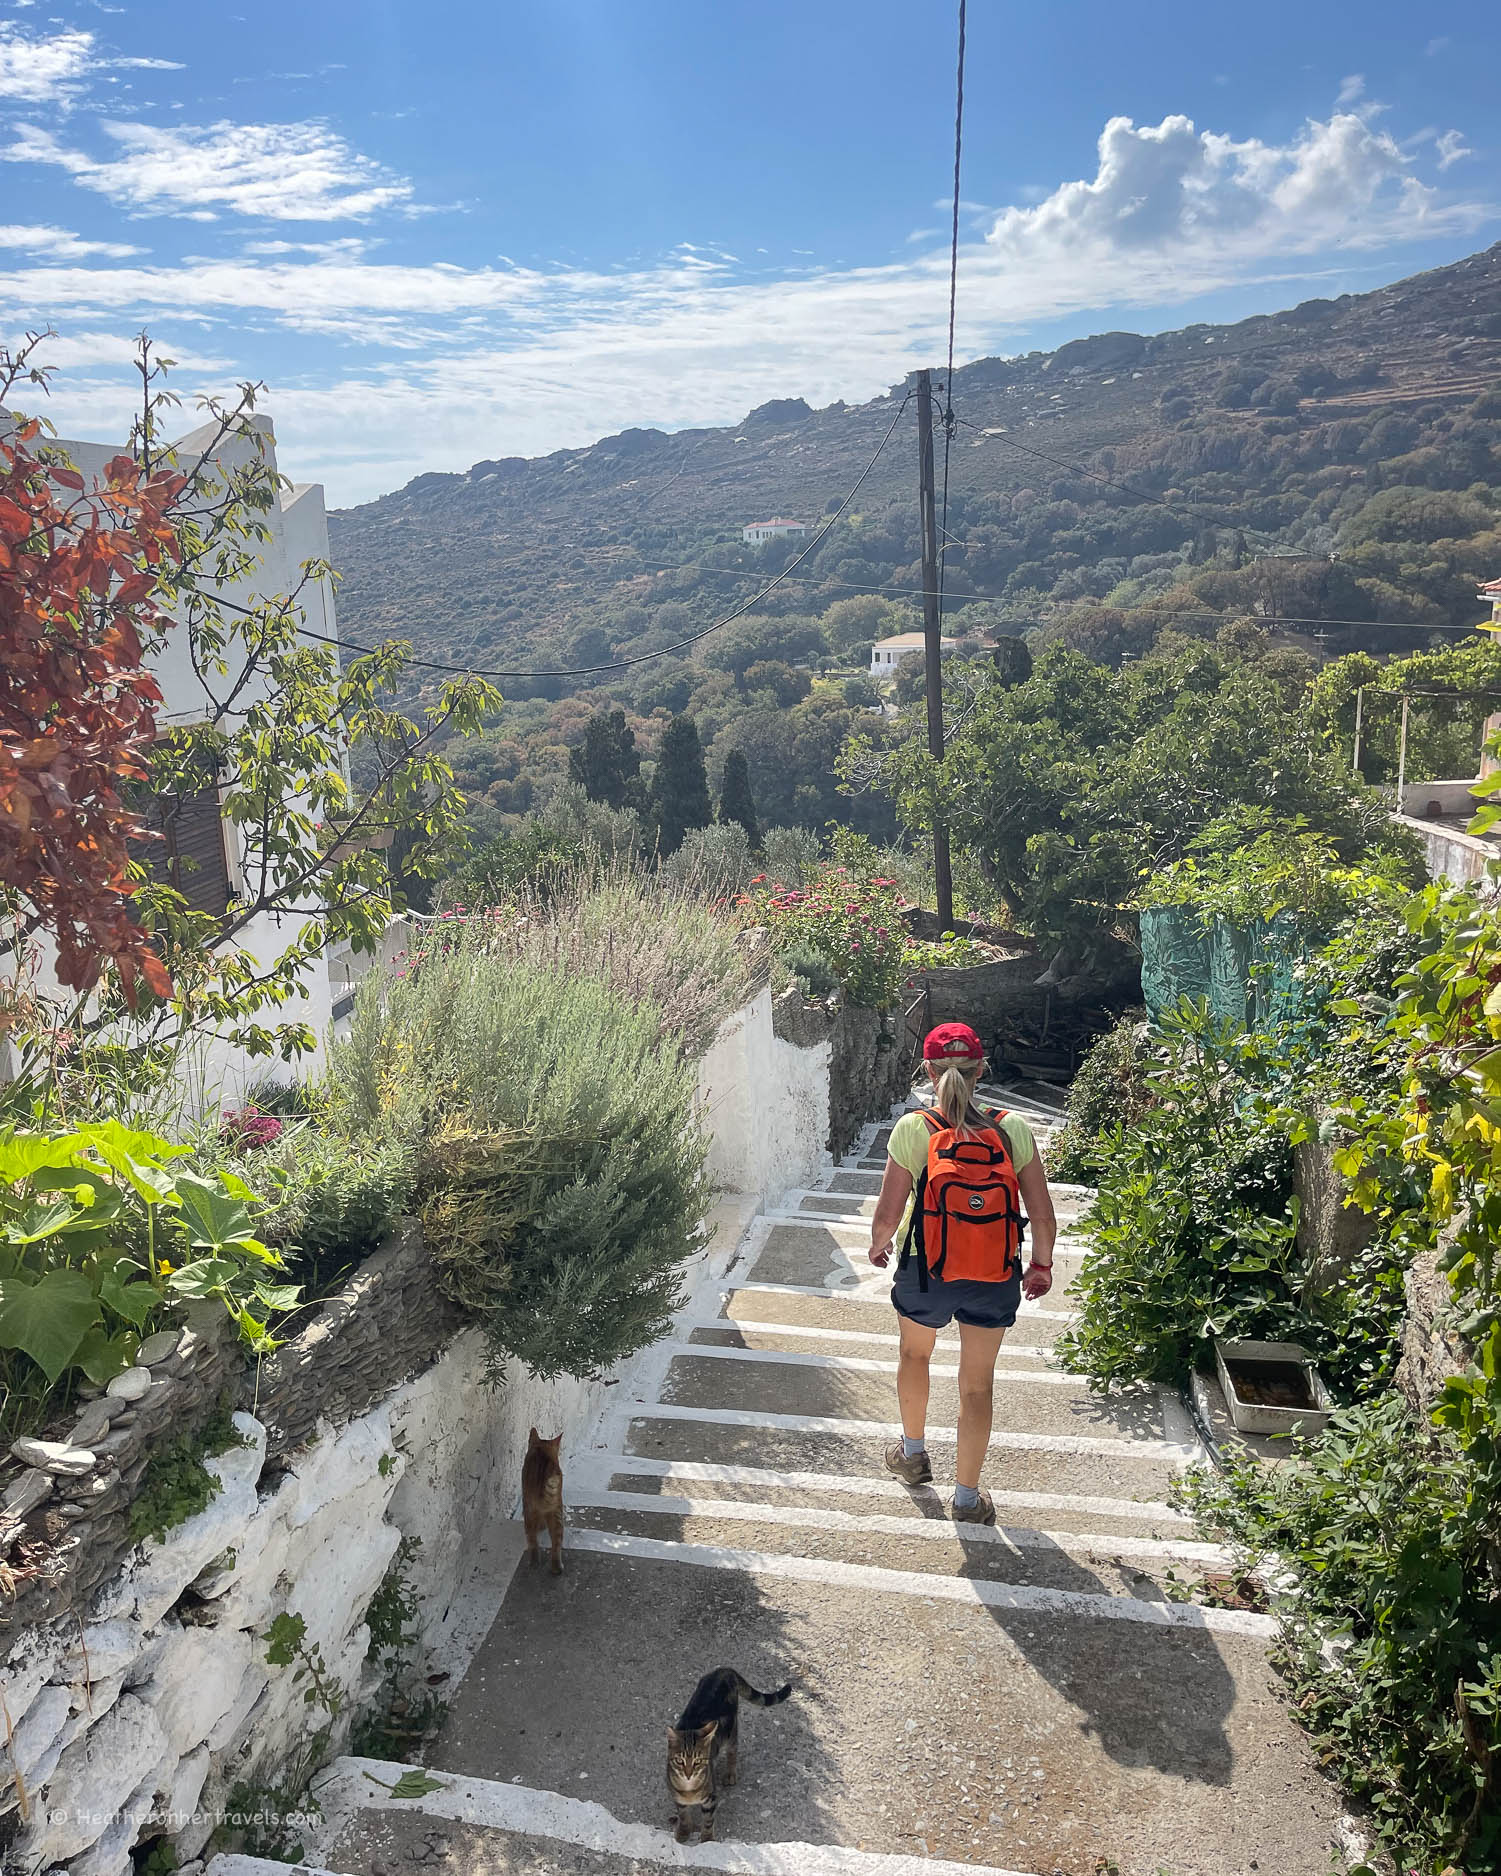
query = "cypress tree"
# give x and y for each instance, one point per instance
(607, 762)
(736, 803)
(680, 787)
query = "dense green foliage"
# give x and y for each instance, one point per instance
(1392, 1644)
(536, 1072)
(1384, 1531)
(1074, 786)
(102, 1229)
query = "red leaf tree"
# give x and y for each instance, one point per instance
(79, 568)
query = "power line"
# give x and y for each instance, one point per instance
(948, 388)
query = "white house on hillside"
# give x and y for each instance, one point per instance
(200, 853)
(887, 653)
(779, 529)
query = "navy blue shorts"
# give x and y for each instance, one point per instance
(980, 1305)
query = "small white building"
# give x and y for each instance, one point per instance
(778, 529)
(1492, 591)
(887, 653)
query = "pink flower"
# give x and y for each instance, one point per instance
(854, 944)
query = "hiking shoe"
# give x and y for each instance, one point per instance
(916, 1470)
(982, 1513)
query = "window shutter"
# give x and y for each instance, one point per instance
(191, 855)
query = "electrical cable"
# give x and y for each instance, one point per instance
(646, 657)
(948, 388)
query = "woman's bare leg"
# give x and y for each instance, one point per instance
(978, 1349)
(912, 1376)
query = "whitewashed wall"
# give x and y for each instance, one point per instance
(143, 1713)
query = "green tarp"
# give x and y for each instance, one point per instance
(1247, 976)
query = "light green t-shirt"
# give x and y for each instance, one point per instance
(908, 1146)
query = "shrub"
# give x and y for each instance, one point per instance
(811, 969)
(1390, 1552)
(713, 862)
(855, 926)
(560, 1163)
(335, 1201)
(1108, 1091)
(651, 938)
(1192, 1234)
(791, 854)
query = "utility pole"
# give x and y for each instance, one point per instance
(943, 881)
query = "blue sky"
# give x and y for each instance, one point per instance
(447, 231)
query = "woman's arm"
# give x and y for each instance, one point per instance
(1033, 1180)
(896, 1187)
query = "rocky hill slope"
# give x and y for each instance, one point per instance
(1235, 430)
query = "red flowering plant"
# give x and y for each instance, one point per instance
(250, 1127)
(854, 923)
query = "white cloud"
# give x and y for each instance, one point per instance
(44, 71)
(1452, 148)
(1351, 90)
(1435, 46)
(60, 244)
(55, 70)
(1169, 191)
(283, 172)
(469, 362)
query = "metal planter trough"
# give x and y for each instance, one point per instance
(1272, 1387)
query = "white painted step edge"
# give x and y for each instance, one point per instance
(604, 1466)
(1173, 1452)
(1023, 1598)
(1016, 1538)
(345, 1790)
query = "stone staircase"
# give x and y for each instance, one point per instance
(1028, 1698)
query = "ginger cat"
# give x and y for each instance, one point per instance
(542, 1497)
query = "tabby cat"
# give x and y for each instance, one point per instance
(542, 1497)
(708, 1730)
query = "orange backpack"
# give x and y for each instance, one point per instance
(967, 1206)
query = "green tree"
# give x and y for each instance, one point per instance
(735, 800)
(864, 617)
(607, 764)
(680, 787)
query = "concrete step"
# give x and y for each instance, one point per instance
(1037, 1325)
(802, 1250)
(1080, 1562)
(819, 1387)
(1077, 1467)
(877, 1493)
(934, 1716)
(482, 1827)
(799, 1339)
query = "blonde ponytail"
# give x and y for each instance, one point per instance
(954, 1091)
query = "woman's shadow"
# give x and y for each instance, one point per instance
(1150, 1695)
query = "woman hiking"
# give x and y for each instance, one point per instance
(958, 1180)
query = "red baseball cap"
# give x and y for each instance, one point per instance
(952, 1042)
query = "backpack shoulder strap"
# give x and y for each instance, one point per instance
(935, 1120)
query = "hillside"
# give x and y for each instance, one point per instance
(1260, 435)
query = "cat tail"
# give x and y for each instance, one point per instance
(756, 1697)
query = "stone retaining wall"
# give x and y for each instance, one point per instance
(389, 1322)
(868, 1069)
